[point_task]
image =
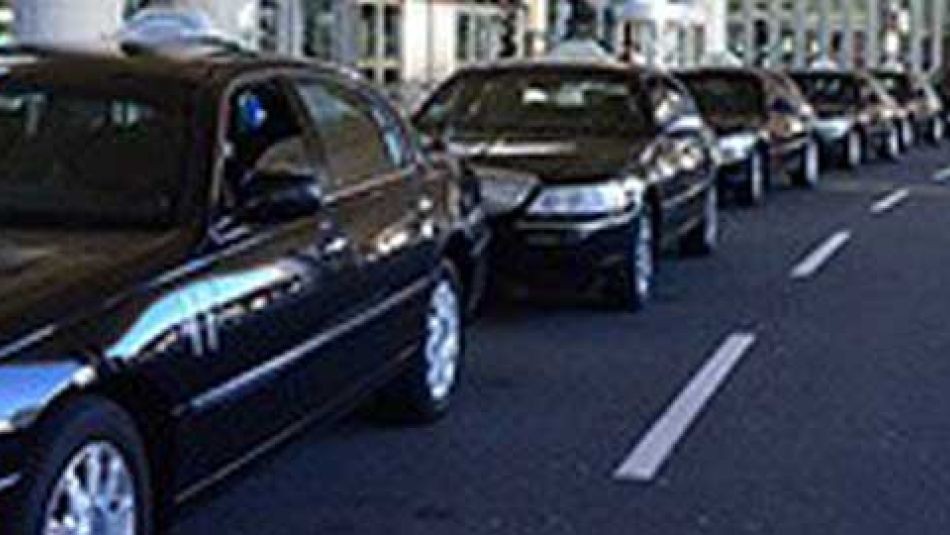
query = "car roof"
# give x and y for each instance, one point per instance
(162, 71)
(555, 64)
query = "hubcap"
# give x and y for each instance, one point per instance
(444, 340)
(712, 218)
(643, 257)
(758, 178)
(95, 495)
(812, 164)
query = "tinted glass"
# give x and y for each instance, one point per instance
(591, 103)
(360, 140)
(829, 89)
(898, 85)
(70, 159)
(721, 94)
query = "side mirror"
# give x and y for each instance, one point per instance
(276, 196)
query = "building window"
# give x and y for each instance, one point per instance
(380, 37)
(475, 36)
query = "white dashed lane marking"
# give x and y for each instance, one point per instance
(649, 455)
(819, 257)
(890, 201)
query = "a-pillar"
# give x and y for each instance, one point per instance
(66, 21)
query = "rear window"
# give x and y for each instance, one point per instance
(721, 94)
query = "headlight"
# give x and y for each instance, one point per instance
(605, 198)
(736, 147)
(833, 128)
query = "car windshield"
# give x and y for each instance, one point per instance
(74, 158)
(726, 94)
(898, 85)
(829, 89)
(561, 102)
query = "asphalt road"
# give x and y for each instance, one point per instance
(832, 416)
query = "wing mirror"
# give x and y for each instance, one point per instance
(273, 196)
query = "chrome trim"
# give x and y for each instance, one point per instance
(290, 357)
(34, 337)
(9, 481)
(587, 227)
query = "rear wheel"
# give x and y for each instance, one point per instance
(631, 285)
(424, 391)
(89, 475)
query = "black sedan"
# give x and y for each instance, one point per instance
(765, 128)
(855, 114)
(920, 102)
(586, 167)
(196, 257)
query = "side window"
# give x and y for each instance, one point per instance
(360, 138)
(263, 135)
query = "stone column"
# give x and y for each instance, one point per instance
(872, 42)
(801, 33)
(916, 35)
(846, 57)
(936, 42)
(824, 29)
(66, 21)
(748, 32)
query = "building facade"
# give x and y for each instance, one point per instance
(670, 32)
(849, 33)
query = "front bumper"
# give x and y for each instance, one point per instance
(562, 252)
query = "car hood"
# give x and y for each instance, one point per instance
(727, 123)
(577, 160)
(47, 277)
(833, 110)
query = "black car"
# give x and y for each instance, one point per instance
(920, 102)
(765, 128)
(198, 254)
(587, 168)
(855, 114)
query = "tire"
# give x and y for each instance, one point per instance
(752, 190)
(891, 149)
(853, 150)
(702, 239)
(936, 130)
(907, 134)
(808, 173)
(630, 286)
(86, 429)
(423, 392)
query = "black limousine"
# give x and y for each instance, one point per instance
(199, 252)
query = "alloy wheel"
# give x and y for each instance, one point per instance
(443, 340)
(95, 494)
(855, 149)
(643, 261)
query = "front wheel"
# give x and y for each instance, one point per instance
(891, 149)
(89, 475)
(631, 285)
(937, 130)
(809, 167)
(702, 239)
(752, 189)
(853, 150)
(424, 391)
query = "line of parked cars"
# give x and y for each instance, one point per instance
(204, 249)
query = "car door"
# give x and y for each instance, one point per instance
(376, 200)
(275, 287)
